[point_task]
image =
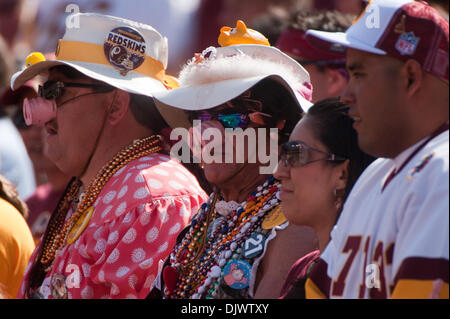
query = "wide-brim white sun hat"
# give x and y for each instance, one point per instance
(89, 46)
(221, 74)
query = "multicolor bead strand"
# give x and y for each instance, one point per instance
(226, 235)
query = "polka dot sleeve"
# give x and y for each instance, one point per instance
(126, 252)
(135, 223)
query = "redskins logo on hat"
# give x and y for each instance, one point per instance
(125, 49)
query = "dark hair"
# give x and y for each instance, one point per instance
(279, 103)
(271, 24)
(145, 112)
(333, 127)
(9, 193)
(330, 21)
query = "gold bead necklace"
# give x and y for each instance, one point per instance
(60, 228)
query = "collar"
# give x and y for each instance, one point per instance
(403, 156)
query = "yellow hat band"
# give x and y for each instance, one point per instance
(94, 53)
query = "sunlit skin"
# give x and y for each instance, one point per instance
(236, 180)
(394, 104)
(373, 94)
(71, 136)
(326, 84)
(307, 192)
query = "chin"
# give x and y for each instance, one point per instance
(373, 149)
(291, 212)
(217, 174)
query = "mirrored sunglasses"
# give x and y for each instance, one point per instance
(230, 120)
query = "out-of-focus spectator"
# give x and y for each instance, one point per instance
(6, 63)
(12, 103)
(15, 163)
(347, 6)
(17, 19)
(16, 241)
(272, 23)
(325, 67)
(214, 14)
(9, 19)
(51, 181)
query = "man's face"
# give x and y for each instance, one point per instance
(319, 83)
(70, 137)
(374, 96)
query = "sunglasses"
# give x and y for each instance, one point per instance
(42, 109)
(295, 154)
(51, 90)
(230, 120)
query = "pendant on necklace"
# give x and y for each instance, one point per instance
(58, 286)
(274, 218)
(77, 229)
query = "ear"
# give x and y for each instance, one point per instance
(119, 107)
(336, 82)
(413, 74)
(341, 176)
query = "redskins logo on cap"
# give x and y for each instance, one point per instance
(125, 49)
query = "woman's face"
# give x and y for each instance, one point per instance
(228, 155)
(307, 192)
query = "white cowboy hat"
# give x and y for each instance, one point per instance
(219, 75)
(128, 55)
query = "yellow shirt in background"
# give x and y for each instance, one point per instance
(16, 247)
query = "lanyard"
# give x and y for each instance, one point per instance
(393, 173)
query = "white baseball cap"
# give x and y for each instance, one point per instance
(403, 29)
(221, 74)
(128, 55)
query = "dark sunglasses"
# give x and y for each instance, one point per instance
(230, 120)
(51, 90)
(295, 154)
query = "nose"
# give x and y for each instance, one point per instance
(347, 96)
(281, 171)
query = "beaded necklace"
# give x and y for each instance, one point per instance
(197, 261)
(59, 227)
